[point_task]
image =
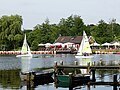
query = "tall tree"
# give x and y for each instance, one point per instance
(72, 26)
(9, 27)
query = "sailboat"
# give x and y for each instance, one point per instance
(25, 52)
(84, 50)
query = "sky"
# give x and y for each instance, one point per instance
(36, 12)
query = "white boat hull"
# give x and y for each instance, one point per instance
(26, 55)
(78, 56)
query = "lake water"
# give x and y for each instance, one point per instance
(10, 67)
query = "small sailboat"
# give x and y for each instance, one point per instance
(84, 50)
(25, 52)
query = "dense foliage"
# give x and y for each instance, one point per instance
(11, 35)
(10, 32)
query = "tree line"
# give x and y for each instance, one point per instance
(12, 35)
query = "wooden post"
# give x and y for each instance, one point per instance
(70, 82)
(93, 63)
(55, 69)
(30, 83)
(88, 68)
(28, 76)
(28, 80)
(32, 76)
(88, 86)
(76, 63)
(115, 81)
(55, 63)
(61, 62)
(93, 75)
(55, 73)
(101, 62)
(61, 71)
(115, 78)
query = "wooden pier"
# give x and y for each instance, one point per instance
(90, 71)
(90, 67)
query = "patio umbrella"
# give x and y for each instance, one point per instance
(48, 44)
(106, 44)
(41, 44)
(95, 44)
(116, 44)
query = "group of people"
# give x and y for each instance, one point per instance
(86, 54)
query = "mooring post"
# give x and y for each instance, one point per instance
(61, 71)
(55, 69)
(76, 63)
(88, 86)
(28, 85)
(28, 76)
(55, 73)
(28, 80)
(70, 82)
(101, 62)
(115, 82)
(88, 68)
(61, 62)
(115, 78)
(93, 75)
(32, 77)
(93, 63)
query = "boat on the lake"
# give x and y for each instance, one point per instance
(25, 52)
(71, 80)
(84, 50)
(36, 75)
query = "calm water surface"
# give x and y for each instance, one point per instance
(10, 67)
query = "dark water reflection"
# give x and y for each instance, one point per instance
(10, 67)
(10, 78)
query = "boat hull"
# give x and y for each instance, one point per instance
(26, 55)
(36, 76)
(67, 81)
(77, 56)
(34, 84)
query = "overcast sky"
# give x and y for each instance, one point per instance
(35, 12)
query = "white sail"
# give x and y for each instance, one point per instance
(84, 47)
(24, 47)
(81, 48)
(25, 52)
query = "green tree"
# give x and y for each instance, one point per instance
(9, 27)
(72, 26)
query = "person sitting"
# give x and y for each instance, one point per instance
(85, 54)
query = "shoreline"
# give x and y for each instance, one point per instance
(57, 52)
(19, 52)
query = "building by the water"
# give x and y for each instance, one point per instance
(64, 44)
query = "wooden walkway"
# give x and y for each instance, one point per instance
(90, 67)
(105, 83)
